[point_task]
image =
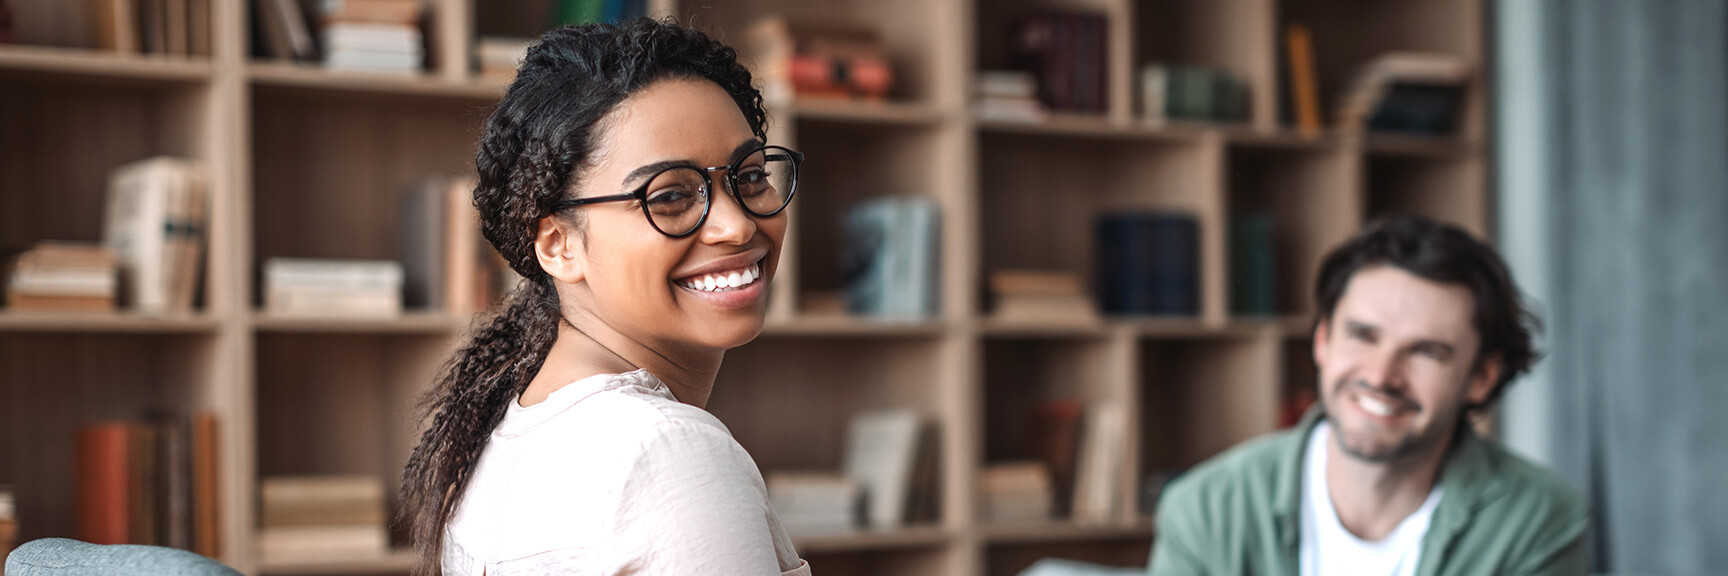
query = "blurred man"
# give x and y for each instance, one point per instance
(1418, 326)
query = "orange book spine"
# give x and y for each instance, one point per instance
(1305, 87)
(103, 480)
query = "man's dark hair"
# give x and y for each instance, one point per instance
(1445, 254)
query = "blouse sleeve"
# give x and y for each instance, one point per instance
(694, 503)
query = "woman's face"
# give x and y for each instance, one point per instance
(668, 292)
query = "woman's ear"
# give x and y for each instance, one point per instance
(559, 248)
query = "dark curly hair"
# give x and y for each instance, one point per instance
(1446, 254)
(537, 144)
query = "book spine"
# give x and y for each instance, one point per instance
(103, 481)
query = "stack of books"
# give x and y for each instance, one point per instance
(63, 276)
(1410, 92)
(1008, 96)
(1042, 296)
(1066, 51)
(1178, 93)
(891, 456)
(1017, 492)
(147, 482)
(154, 224)
(307, 287)
(326, 517)
(1148, 263)
(814, 502)
(372, 35)
(891, 257)
(156, 27)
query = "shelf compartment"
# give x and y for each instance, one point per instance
(1039, 200)
(29, 321)
(20, 61)
(310, 78)
(1200, 397)
(52, 384)
(1306, 200)
(1230, 35)
(1429, 186)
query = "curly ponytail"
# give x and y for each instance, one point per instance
(535, 147)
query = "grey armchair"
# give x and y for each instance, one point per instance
(67, 557)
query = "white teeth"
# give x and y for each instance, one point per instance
(1373, 406)
(725, 281)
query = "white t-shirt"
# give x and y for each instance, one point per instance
(1328, 548)
(613, 475)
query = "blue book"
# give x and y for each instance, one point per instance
(890, 260)
(1147, 263)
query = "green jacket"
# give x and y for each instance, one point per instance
(1241, 513)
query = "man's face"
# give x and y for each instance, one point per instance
(1397, 364)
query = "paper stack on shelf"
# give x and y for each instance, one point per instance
(307, 287)
(1008, 96)
(372, 35)
(1046, 296)
(62, 276)
(814, 502)
(1017, 492)
(322, 517)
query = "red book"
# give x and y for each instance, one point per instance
(104, 483)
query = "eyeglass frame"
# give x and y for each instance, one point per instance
(641, 192)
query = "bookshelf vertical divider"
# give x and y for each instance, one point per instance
(309, 163)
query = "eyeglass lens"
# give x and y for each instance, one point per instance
(763, 182)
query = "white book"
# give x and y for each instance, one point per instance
(64, 282)
(1098, 472)
(380, 62)
(367, 37)
(320, 273)
(298, 543)
(881, 450)
(136, 227)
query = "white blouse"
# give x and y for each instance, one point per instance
(612, 475)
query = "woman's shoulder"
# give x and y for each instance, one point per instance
(619, 407)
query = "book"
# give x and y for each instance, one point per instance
(1171, 92)
(114, 25)
(446, 264)
(1098, 470)
(1041, 296)
(400, 12)
(795, 59)
(881, 452)
(1253, 264)
(56, 275)
(1008, 96)
(154, 223)
(1066, 50)
(499, 56)
(285, 32)
(1148, 263)
(206, 517)
(1412, 91)
(890, 258)
(321, 501)
(814, 502)
(315, 287)
(103, 483)
(1056, 442)
(1303, 79)
(1016, 492)
(290, 543)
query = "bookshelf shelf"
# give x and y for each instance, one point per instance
(14, 321)
(891, 113)
(311, 78)
(429, 323)
(866, 541)
(93, 66)
(396, 562)
(308, 163)
(1053, 532)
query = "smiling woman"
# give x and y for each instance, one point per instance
(625, 176)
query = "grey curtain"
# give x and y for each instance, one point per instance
(1614, 196)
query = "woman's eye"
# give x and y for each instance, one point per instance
(672, 200)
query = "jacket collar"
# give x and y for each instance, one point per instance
(1468, 476)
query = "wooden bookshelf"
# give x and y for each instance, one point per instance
(309, 163)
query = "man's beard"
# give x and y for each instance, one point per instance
(1412, 444)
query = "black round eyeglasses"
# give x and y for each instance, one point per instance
(677, 199)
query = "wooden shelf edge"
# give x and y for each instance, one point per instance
(847, 326)
(1061, 531)
(416, 322)
(1439, 147)
(399, 560)
(863, 541)
(864, 112)
(315, 78)
(1100, 127)
(87, 64)
(121, 322)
